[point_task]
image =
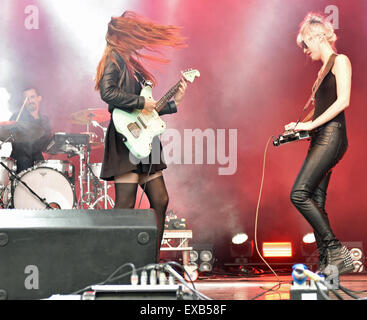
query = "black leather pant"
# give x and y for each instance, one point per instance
(328, 145)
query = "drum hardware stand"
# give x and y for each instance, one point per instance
(100, 190)
(84, 171)
(16, 177)
(91, 197)
(104, 193)
(97, 125)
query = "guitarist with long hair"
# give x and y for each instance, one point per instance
(120, 75)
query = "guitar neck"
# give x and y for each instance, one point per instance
(168, 96)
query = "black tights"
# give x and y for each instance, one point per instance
(125, 198)
(308, 194)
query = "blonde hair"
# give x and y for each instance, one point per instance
(315, 24)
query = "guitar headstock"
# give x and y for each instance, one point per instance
(190, 74)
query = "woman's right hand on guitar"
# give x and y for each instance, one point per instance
(150, 104)
(300, 126)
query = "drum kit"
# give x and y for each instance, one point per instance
(51, 184)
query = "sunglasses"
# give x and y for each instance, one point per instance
(305, 46)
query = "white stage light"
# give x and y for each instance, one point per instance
(309, 238)
(239, 238)
(84, 23)
(358, 266)
(356, 254)
(206, 267)
(206, 255)
(193, 255)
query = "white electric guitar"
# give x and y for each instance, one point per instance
(139, 127)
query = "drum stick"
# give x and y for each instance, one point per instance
(21, 109)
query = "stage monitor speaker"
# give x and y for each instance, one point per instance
(47, 252)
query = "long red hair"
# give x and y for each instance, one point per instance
(130, 33)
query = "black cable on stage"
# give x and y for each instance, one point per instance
(321, 292)
(134, 271)
(336, 294)
(183, 270)
(348, 292)
(110, 277)
(157, 266)
(351, 294)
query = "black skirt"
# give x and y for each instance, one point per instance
(118, 160)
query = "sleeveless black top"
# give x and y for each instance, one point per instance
(325, 96)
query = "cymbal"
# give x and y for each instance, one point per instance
(20, 131)
(89, 115)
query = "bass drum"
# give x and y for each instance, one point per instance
(65, 167)
(48, 184)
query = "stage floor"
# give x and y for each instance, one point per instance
(257, 287)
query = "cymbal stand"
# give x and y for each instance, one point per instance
(89, 199)
(103, 192)
(84, 158)
(107, 199)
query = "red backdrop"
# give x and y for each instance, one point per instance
(254, 79)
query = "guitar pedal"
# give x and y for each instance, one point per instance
(291, 136)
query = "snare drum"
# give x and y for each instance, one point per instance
(64, 167)
(48, 184)
(4, 174)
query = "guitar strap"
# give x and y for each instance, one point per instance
(316, 86)
(140, 79)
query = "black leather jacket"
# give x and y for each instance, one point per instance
(118, 91)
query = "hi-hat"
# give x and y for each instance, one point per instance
(89, 115)
(20, 131)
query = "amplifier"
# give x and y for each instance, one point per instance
(48, 252)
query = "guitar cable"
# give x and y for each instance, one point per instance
(257, 218)
(145, 183)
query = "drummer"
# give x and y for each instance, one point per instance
(27, 153)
